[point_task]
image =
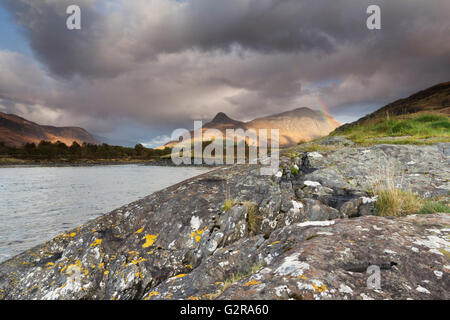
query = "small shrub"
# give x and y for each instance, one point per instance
(295, 170)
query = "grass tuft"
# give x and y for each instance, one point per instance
(253, 219)
(229, 203)
(396, 202)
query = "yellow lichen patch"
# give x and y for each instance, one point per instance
(193, 298)
(73, 234)
(50, 265)
(302, 277)
(169, 296)
(96, 242)
(138, 260)
(150, 252)
(62, 270)
(197, 234)
(189, 266)
(182, 275)
(151, 294)
(252, 283)
(139, 231)
(322, 288)
(106, 272)
(133, 253)
(276, 242)
(74, 269)
(219, 282)
(150, 240)
(139, 275)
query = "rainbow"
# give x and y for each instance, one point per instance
(324, 111)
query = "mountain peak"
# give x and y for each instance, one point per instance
(221, 118)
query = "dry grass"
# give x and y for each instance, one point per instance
(253, 219)
(392, 201)
(396, 202)
(228, 204)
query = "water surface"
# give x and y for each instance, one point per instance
(38, 203)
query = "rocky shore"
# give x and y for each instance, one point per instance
(308, 232)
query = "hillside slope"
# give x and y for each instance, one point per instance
(422, 118)
(435, 99)
(16, 131)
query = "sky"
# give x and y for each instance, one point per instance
(138, 69)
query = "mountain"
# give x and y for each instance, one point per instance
(16, 131)
(297, 125)
(435, 99)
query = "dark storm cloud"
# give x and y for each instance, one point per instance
(163, 63)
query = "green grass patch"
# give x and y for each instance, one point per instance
(431, 206)
(414, 128)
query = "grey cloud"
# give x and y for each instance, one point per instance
(163, 63)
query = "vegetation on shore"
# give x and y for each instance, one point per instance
(58, 152)
(418, 128)
(396, 202)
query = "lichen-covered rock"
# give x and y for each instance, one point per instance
(282, 238)
(327, 260)
(423, 169)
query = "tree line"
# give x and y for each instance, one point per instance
(46, 150)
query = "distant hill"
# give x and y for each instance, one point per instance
(16, 131)
(435, 99)
(297, 125)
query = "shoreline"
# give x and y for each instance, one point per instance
(155, 163)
